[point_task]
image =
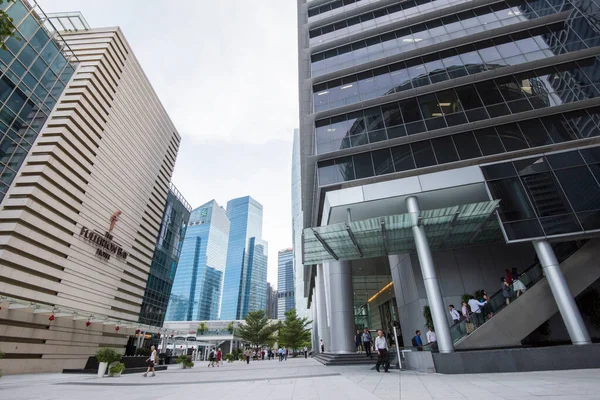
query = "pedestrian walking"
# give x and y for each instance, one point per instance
(475, 306)
(382, 352)
(248, 355)
(211, 358)
(432, 338)
(322, 346)
(367, 339)
(505, 287)
(151, 360)
(416, 341)
(358, 341)
(305, 352)
(219, 356)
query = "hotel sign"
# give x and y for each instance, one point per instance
(105, 245)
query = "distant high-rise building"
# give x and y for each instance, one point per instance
(254, 277)
(198, 284)
(301, 301)
(245, 215)
(271, 302)
(285, 283)
(166, 256)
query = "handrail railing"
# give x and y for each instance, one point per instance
(497, 302)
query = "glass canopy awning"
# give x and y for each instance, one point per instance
(446, 228)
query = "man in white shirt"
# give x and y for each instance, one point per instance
(382, 352)
(431, 338)
(454, 314)
(475, 306)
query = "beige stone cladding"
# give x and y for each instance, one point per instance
(108, 146)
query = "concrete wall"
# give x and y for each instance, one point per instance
(459, 271)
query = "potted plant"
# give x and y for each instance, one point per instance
(188, 364)
(105, 357)
(202, 328)
(181, 360)
(116, 369)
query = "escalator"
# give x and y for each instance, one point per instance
(502, 325)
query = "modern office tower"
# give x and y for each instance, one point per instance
(80, 220)
(447, 140)
(198, 283)
(300, 299)
(271, 302)
(285, 282)
(254, 277)
(35, 68)
(166, 257)
(245, 215)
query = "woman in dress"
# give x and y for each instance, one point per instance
(505, 290)
(487, 309)
(518, 286)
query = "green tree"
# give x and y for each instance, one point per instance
(256, 329)
(7, 27)
(202, 328)
(293, 333)
(230, 327)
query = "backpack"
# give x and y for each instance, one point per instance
(414, 342)
(211, 356)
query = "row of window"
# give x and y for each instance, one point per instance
(469, 59)
(511, 94)
(383, 16)
(547, 195)
(337, 6)
(463, 146)
(433, 68)
(417, 36)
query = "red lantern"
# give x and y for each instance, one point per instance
(117, 329)
(88, 323)
(137, 331)
(51, 317)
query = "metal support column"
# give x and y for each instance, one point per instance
(315, 323)
(342, 307)
(322, 311)
(562, 295)
(432, 286)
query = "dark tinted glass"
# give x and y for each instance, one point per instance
(511, 137)
(515, 205)
(546, 195)
(382, 161)
(423, 153)
(581, 188)
(489, 142)
(363, 165)
(445, 151)
(402, 157)
(523, 229)
(466, 145)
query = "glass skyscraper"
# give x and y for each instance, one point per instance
(34, 70)
(423, 106)
(165, 259)
(198, 284)
(254, 277)
(285, 282)
(245, 215)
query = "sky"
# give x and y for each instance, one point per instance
(226, 72)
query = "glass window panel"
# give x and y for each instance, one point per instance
(523, 229)
(377, 136)
(559, 224)
(17, 12)
(356, 123)
(511, 137)
(359, 140)
(581, 188)
(410, 110)
(589, 220)
(591, 155)
(38, 68)
(345, 169)
(16, 100)
(546, 195)
(564, 160)
(374, 119)
(27, 55)
(382, 161)
(429, 106)
(58, 64)
(423, 153)
(515, 204)
(327, 173)
(363, 165)
(535, 132)
(489, 142)
(455, 119)
(497, 110)
(468, 97)
(396, 131)
(39, 40)
(489, 92)
(391, 114)
(530, 166)
(558, 129)
(445, 151)
(403, 158)
(6, 88)
(466, 145)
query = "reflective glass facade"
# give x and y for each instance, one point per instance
(285, 283)
(254, 287)
(245, 215)
(198, 284)
(549, 194)
(165, 259)
(33, 74)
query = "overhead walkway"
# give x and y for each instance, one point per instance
(512, 323)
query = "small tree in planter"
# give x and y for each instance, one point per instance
(181, 360)
(202, 328)
(116, 369)
(188, 364)
(105, 357)
(230, 327)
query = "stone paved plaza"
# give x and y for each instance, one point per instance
(299, 379)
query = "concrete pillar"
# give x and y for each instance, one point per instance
(342, 307)
(315, 323)
(322, 311)
(562, 294)
(432, 286)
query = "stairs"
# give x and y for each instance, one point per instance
(330, 359)
(523, 315)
